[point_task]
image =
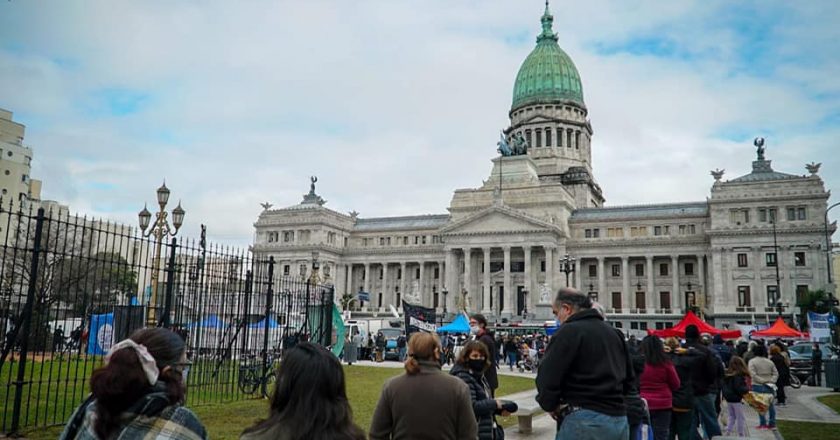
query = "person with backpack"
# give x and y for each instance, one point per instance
(736, 384)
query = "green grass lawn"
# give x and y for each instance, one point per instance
(832, 401)
(808, 430)
(364, 384)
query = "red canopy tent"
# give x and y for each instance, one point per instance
(779, 330)
(691, 319)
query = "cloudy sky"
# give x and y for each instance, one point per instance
(394, 104)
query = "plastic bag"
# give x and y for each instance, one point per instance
(759, 401)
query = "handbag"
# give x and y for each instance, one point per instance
(498, 432)
(759, 401)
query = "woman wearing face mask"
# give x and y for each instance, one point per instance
(472, 361)
(138, 393)
(423, 403)
(478, 328)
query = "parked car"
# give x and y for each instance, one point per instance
(800, 365)
(805, 349)
(391, 336)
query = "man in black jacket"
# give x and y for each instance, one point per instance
(585, 372)
(703, 378)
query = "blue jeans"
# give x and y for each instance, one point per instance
(584, 424)
(511, 359)
(762, 419)
(705, 414)
(401, 352)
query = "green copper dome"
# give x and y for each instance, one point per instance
(548, 75)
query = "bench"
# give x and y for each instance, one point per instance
(525, 414)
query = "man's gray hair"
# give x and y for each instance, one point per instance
(572, 297)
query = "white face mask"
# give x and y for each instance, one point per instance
(474, 329)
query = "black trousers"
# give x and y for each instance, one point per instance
(816, 371)
(780, 393)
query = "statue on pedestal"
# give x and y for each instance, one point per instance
(545, 294)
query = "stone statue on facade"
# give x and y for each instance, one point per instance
(313, 179)
(717, 174)
(813, 167)
(517, 147)
(520, 145)
(266, 206)
(504, 148)
(545, 294)
(313, 198)
(759, 145)
(413, 294)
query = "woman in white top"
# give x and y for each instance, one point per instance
(763, 373)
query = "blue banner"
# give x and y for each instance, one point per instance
(101, 335)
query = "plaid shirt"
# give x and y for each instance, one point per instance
(150, 418)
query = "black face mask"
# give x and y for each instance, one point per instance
(477, 364)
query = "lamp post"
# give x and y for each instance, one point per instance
(159, 230)
(567, 266)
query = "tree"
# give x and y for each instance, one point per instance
(817, 301)
(347, 301)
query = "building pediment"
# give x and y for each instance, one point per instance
(499, 219)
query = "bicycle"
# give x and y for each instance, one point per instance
(795, 383)
(257, 375)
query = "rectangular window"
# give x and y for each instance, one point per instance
(801, 293)
(643, 325)
(772, 295)
(665, 300)
(770, 259)
(399, 274)
(615, 232)
(417, 273)
(634, 325)
(577, 140)
(791, 214)
(640, 270)
(762, 214)
(660, 325)
(593, 270)
(616, 270)
(689, 268)
(588, 233)
(799, 258)
(416, 239)
(683, 229)
(302, 271)
(569, 138)
(657, 230)
(437, 273)
(640, 300)
(539, 133)
(638, 231)
(744, 299)
(528, 137)
(771, 214)
(548, 137)
(382, 241)
(800, 213)
(542, 266)
(616, 300)
(381, 273)
(692, 229)
(286, 269)
(742, 260)
(596, 233)
(663, 269)
(618, 324)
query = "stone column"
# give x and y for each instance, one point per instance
(507, 307)
(602, 281)
(468, 272)
(449, 277)
(675, 279)
(626, 292)
(404, 276)
(366, 288)
(387, 295)
(529, 285)
(651, 285)
(549, 270)
(441, 285)
(485, 307)
(578, 277)
(701, 279)
(421, 284)
(340, 279)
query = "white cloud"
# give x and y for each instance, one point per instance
(396, 104)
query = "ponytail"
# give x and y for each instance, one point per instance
(421, 347)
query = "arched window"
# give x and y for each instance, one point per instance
(539, 138)
(528, 137)
(547, 137)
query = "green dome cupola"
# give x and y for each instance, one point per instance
(548, 75)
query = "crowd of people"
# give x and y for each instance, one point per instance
(592, 381)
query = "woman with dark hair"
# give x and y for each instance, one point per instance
(658, 382)
(309, 400)
(138, 393)
(783, 367)
(763, 373)
(736, 384)
(472, 361)
(423, 403)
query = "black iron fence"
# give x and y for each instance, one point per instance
(71, 286)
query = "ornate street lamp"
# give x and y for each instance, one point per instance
(567, 266)
(160, 229)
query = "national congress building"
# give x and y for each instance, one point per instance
(502, 247)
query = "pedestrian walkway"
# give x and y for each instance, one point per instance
(802, 405)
